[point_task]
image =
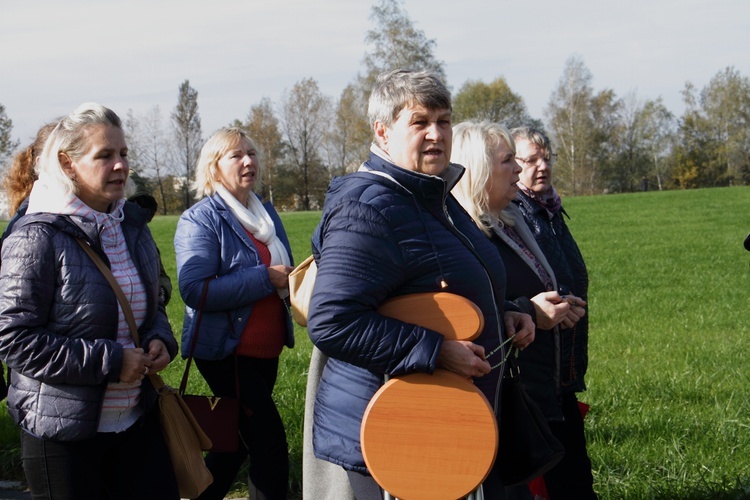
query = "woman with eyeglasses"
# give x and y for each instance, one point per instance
(542, 209)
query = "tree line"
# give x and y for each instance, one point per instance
(604, 143)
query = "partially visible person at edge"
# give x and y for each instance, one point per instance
(542, 209)
(486, 191)
(78, 386)
(234, 237)
(390, 230)
(22, 174)
(149, 204)
(18, 183)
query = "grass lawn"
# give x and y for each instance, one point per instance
(669, 370)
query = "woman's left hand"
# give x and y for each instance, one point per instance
(576, 311)
(159, 355)
(520, 327)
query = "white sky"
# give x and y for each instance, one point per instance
(56, 54)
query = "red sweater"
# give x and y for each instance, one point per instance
(263, 336)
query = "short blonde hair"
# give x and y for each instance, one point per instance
(474, 144)
(206, 171)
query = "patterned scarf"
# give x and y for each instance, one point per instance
(549, 200)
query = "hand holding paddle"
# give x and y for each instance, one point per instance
(464, 358)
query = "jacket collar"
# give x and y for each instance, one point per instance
(225, 213)
(431, 188)
(74, 225)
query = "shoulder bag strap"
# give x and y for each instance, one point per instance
(194, 341)
(155, 378)
(124, 304)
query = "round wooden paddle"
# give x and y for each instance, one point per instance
(427, 437)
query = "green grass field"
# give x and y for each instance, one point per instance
(669, 370)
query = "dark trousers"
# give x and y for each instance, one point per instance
(572, 477)
(125, 465)
(364, 487)
(262, 433)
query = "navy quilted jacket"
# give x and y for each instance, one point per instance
(58, 321)
(380, 238)
(563, 255)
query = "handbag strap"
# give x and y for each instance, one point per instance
(127, 311)
(194, 341)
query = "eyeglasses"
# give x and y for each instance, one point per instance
(535, 162)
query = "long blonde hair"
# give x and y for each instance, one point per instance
(474, 144)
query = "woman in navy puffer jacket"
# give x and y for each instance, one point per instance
(78, 385)
(389, 230)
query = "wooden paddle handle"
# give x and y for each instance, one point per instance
(453, 316)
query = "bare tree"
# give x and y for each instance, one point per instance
(622, 134)
(396, 43)
(150, 152)
(305, 114)
(570, 122)
(348, 139)
(187, 129)
(658, 136)
(7, 144)
(393, 42)
(264, 129)
(725, 103)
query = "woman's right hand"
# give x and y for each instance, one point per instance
(463, 357)
(279, 275)
(551, 309)
(135, 365)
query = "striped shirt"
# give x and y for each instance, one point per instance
(120, 407)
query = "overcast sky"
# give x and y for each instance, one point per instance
(56, 54)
